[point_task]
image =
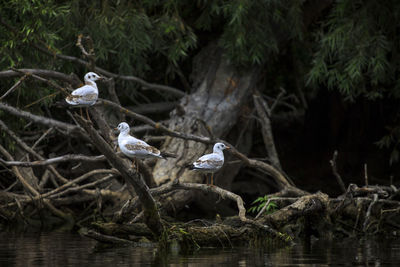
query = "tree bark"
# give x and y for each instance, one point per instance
(221, 90)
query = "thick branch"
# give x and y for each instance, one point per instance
(262, 111)
(206, 189)
(280, 179)
(152, 217)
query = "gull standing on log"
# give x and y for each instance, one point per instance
(86, 95)
(211, 163)
(136, 148)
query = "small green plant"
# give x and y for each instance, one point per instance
(260, 202)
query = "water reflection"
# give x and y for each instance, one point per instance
(66, 249)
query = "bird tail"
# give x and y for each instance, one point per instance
(190, 166)
(61, 104)
(166, 155)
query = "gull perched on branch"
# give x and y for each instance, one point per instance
(210, 163)
(86, 95)
(136, 148)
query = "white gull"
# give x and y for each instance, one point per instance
(210, 163)
(86, 95)
(133, 147)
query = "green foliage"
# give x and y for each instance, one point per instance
(129, 36)
(126, 36)
(249, 31)
(260, 203)
(358, 49)
(353, 47)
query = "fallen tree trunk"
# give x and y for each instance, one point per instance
(212, 109)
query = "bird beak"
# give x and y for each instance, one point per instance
(101, 78)
(227, 147)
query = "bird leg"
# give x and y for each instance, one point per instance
(212, 179)
(87, 114)
(137, 166)
(133, 164)
(80, 109)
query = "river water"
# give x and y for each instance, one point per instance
(69, 249)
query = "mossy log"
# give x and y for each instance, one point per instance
(305, 216)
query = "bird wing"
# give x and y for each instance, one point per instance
(83, 95)
(209, 162)
(138, 146)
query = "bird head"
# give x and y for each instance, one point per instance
(220, 147)
(123, 127)
(91, 76)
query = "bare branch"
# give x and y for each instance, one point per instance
(64, 189)
(15, 86)
(90, 55)
(335, 172)
(277, 100)
(145, 85)
(263, 112)
(40, 119)
(280, 179)
(30, 189)
(49, 82)
(24, 146)
(206, 189)
(72, 79)
(368, 214)
(154, 124)
(64, 158)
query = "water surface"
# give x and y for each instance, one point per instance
(69, 249)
